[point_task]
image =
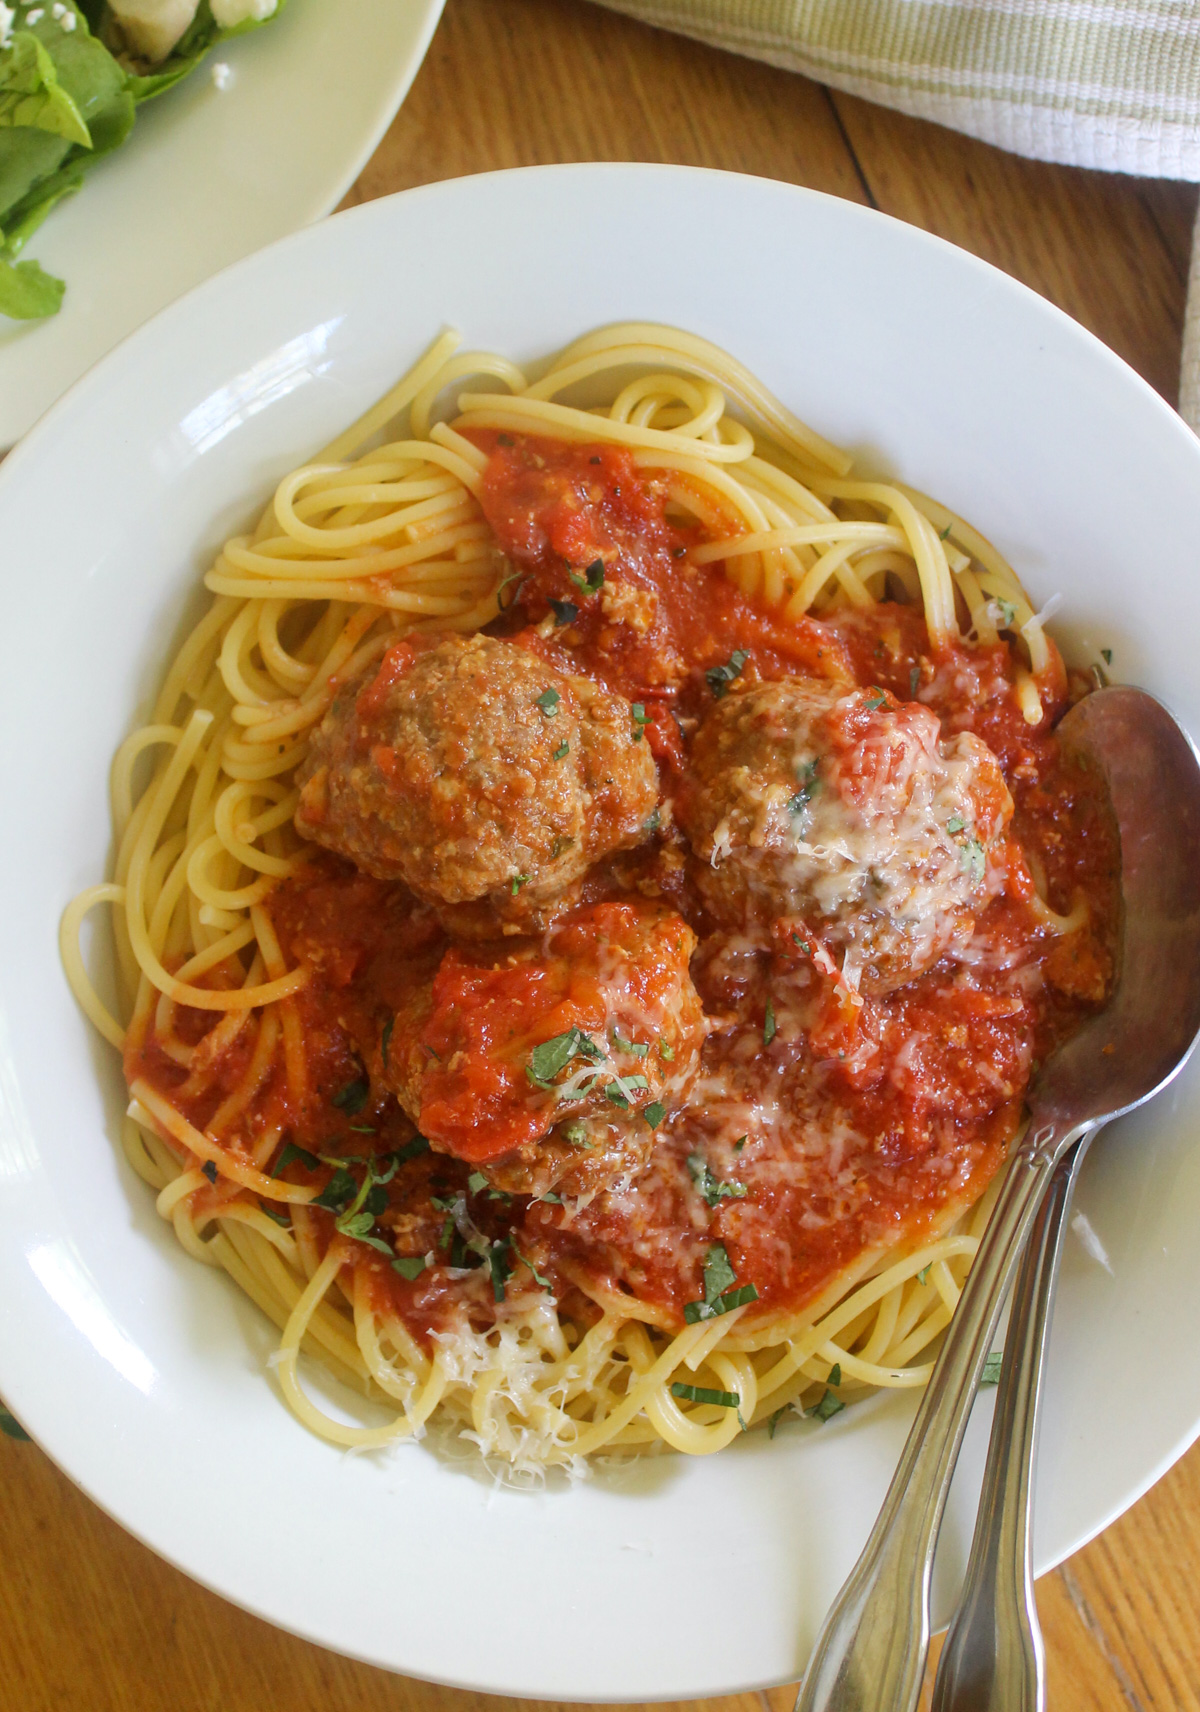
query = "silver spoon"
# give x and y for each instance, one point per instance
(993, 1654)
(870, 1654)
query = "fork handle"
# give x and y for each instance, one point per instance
(870, 1654)
(993, 1659)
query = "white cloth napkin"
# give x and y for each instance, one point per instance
(1113, 84)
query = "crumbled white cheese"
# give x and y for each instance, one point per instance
(228, 13)
(36, 16)
(7, 14)
(223, 75)
(63, 15)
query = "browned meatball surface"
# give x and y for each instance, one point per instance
(552, 1063)
(484, 778)
(848, 813)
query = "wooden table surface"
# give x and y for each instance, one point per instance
(92, 1621)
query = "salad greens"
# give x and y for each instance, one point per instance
(68, 97)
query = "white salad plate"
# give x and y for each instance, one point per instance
(143, 1374)
(209, 174)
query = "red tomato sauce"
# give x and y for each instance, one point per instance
(826, 1131)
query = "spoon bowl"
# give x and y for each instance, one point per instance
(870, 1654)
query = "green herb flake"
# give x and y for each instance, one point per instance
(972, 859)
(665, 1052)
(560, 754)
(875, 700)
(279, 1218)
(944, 534)
(992, 1367)
(654, 1113)
(565, 612)
(548, 702)
(551, 1198)
(639, 1049)
(209, 1169)
(740, 1143)
(720, 1294)
(923, 1275)
(710, 1187)
(290, 1152)
(525, 1261)
(10, 1425)
(409, 1266)
(773, 1423)
(703, 1394)
(1106, 656)
(640, 720)
(956, 823)
(1008, 614)
(770, 1027)
(835, 1373)
(353, 1097)
(652, 822)
(411, 1150)
(829, 1406)
(518, 880)
(592, 580)
(719, 678)
(476, 1181)
(546, 1060)
(517, 577)
(914, 682)
(500, 1265)
(337, 1194)
(808, 785)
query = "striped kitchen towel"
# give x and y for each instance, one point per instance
(1112, 84)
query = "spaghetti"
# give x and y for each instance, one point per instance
(645, 519)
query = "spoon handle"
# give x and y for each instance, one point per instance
(870, 1654)
(993, 1660)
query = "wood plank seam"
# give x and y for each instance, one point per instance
(1095, 1629)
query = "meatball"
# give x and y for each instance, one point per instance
(485, 779)
(848, 812)
(552, 1062)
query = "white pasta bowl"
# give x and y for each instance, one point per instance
(143, 1374)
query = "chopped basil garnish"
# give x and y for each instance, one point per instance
(740, 1143)
(209, 1169)
(835, 1373)
(944, 534)
(290, 1152)
(639, 1049)
(551, 1198)
(703, 1394)
(546, 1060)
(665, 1052)
(654, 1113)
(1008, 614)
(807, 787)
(829, 1406)
(476, 1181)
(410, 1150)
(279, 1218)
(548, 702)
(565, 612)
(640, 720)
(923, 1275)
(409, 1266)
(992, 1367)
(875, 700)
(719, 1292)
(353, 1097)
(1106, 656)
(773, 1423)
(500, 1265)
(518, 880)
(574, 1133)
(652, 822)
(561, 753)
(972, 859)
(914, 682)
(617, 1091)
(505, 440)
(769, 1024)
(338, 1193)
(517, 577)
(956, 823)
(561, 843)
(592, 581)
(386, 1039)
(525, 1260)
(719, 678)
(710, 1187)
